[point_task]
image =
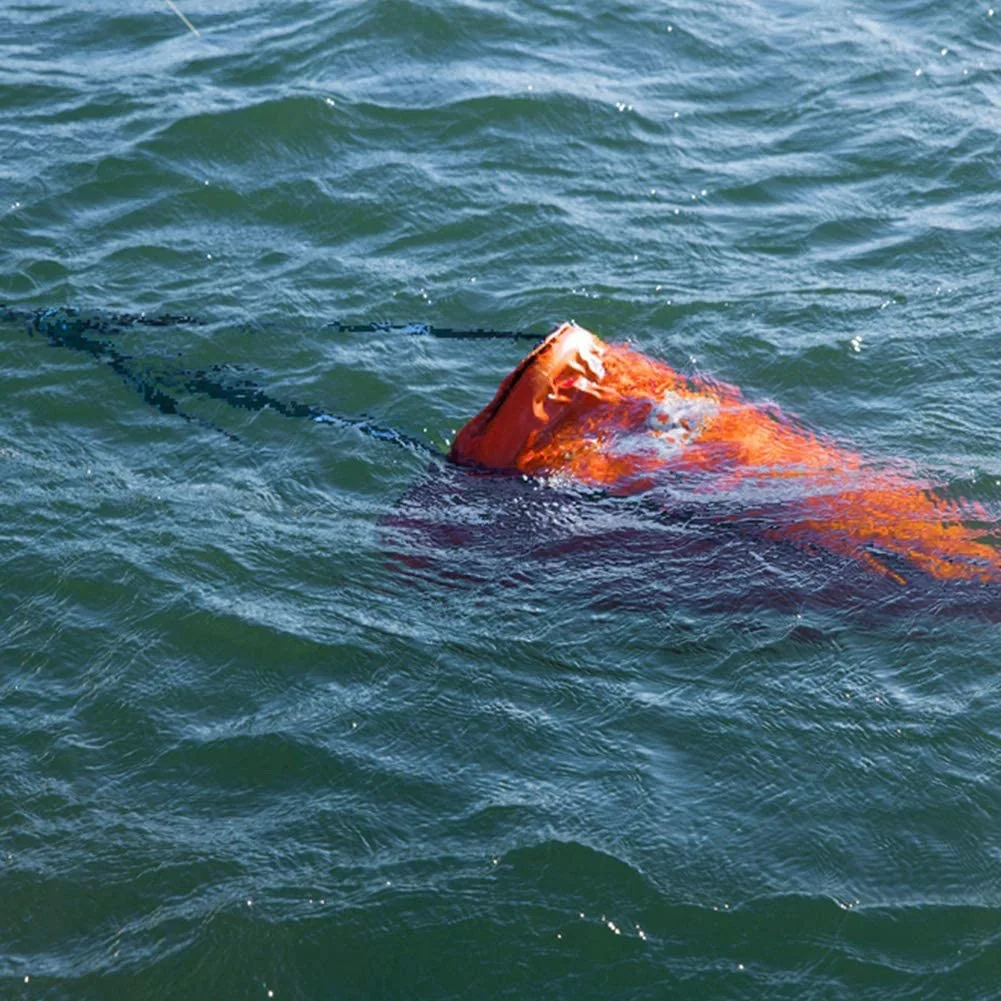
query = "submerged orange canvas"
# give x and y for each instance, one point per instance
(607, 416)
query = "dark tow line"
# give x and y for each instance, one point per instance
(87, 333)
(428, 330)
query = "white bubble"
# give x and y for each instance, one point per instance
(917, 72)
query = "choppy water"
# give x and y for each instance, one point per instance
(288, 709)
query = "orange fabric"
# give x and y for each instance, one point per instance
(607, 416)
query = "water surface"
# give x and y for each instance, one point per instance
(290, 710)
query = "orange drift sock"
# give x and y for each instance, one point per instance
(609, 417)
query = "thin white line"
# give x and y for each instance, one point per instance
(177, 10)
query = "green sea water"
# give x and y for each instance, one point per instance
(292, 708)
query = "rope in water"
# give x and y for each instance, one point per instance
(89, 332)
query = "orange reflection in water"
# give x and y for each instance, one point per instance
(610, 417)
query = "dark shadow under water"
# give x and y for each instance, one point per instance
(466, 529)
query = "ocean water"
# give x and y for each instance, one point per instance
(292, 708)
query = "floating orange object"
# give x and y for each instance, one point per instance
(607, 416)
